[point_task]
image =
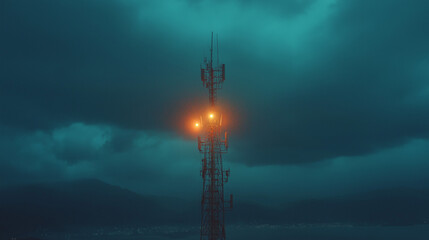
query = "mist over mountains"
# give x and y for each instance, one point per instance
(93, 203)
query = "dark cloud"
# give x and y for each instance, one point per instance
(79, 142)
(84, 60)
(162, 164)
(285, 8)
(26, 157)
(331, 79)
(147, 162)
(364, 96)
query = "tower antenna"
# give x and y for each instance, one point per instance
(217, 48)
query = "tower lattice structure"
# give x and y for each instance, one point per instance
(212, 143)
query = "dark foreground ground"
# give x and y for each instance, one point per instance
(237, 232)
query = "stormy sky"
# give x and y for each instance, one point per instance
(321, 98)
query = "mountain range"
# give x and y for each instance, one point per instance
(93, 203)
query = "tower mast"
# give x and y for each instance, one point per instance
(212, 144)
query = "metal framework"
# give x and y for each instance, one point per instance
(212, 143)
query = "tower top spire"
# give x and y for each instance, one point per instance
(213, 76)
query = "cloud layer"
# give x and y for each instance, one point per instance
(90, 87)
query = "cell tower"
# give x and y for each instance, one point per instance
(212, 143)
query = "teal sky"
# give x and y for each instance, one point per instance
(325, 97)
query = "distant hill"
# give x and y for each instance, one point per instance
(399, 206)
(86, 203)
(92, 203)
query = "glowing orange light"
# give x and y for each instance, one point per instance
(196, 124)
(211, 115)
